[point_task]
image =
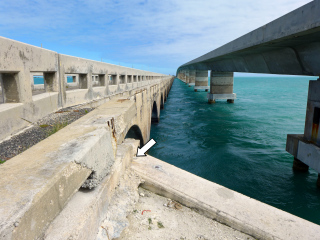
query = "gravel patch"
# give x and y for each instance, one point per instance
(39, 131)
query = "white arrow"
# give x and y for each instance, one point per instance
(142, 151)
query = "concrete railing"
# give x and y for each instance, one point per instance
(23, 102)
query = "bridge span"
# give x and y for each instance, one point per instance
(288, 45)
(37, 184)
(66, 186)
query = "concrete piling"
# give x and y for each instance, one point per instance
(201, 80)
(221, 87)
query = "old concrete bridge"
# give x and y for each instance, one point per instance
(288, 45)
(37, 184)
(64, 186)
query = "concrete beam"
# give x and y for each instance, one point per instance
(287, 45)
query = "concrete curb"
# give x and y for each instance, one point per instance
(219, 203)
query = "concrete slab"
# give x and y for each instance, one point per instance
(219, 203)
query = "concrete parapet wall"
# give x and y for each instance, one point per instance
(20, 62)
(41, 181)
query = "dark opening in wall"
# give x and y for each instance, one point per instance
(122, 79)
(112, 79)
(162, 102)
(154, 115)
(83, 81)
(37, 83)
(129, 78)
(9, 87)
(134, 78)
(135, 132)
(72, 82)
(1, 90)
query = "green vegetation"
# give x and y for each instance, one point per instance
(86, 111)
(160, 225)
(1, 161)
(44, 125)
(56, 127)
(150, 220)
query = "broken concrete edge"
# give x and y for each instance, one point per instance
(226, 206)
(59, 165)
(88, 209)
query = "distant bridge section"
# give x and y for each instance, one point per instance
(288, 45)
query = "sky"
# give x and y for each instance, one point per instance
(158, 35)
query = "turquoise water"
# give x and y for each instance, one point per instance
(242, 145)
(40, 80)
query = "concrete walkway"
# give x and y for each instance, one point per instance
(165, 219)
(214, 201)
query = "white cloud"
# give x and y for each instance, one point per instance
(162, 34)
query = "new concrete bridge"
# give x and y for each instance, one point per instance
(288, 45)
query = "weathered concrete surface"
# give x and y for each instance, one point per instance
(306, 147)
(287, 45)
(19, 62)
(170, 220)
(83, 215)
(305, 151)
(219, 203)
(40, 181)
(201, 80)
(221, 86)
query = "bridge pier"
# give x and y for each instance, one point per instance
(183, 76)
(306, 147)
(221, 87)
(187, 76)
(201, 80)
(192, 77)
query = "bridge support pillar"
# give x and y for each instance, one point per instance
(183, 76)
(221, 87)
(192, 77)
(201, 80)
(187, 77)
(305, 148)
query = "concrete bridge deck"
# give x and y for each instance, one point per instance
(62, 188)
(288, 45)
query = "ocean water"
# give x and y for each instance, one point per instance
(242, 145)
(40, 80)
